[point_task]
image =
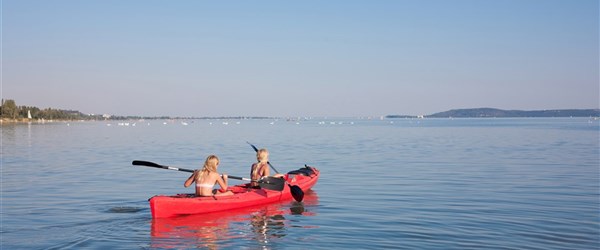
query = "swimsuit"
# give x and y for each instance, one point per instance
(259, 167)
(204, 185)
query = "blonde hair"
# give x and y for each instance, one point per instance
(210, 165)
(262, 155)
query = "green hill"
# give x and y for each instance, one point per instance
(492, 112)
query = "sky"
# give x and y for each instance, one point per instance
(299, 58)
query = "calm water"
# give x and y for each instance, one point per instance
(406, 184)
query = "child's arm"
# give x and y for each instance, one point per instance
(190, 179)
(222, 181)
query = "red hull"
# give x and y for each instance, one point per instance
(163, 206)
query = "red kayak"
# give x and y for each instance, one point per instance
(163, 206)
(214, 226)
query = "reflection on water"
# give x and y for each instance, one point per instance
(257, 225)
(266, 226)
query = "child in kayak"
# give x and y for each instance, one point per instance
(206, 179)
(260, 169)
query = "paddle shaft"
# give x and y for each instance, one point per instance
(154, 165)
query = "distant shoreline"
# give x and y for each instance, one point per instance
(11, 113)
(58, 121)
(128, 118)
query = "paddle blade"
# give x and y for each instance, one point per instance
(255, 149)
(156, 165)
(272, 183)
(146, 163)
(297, 192)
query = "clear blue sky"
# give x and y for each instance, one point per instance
(300, 58)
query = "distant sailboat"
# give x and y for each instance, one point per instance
(29, 114)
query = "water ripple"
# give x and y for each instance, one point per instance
(435, 184)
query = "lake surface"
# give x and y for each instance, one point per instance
(397, 183)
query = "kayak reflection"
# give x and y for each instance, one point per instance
(259, 224)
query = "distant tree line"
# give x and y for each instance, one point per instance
(10, 110)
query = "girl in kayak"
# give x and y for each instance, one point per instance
(260, 169)
(206, 179)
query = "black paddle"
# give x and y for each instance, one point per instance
(297, 192)
(270, 183)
